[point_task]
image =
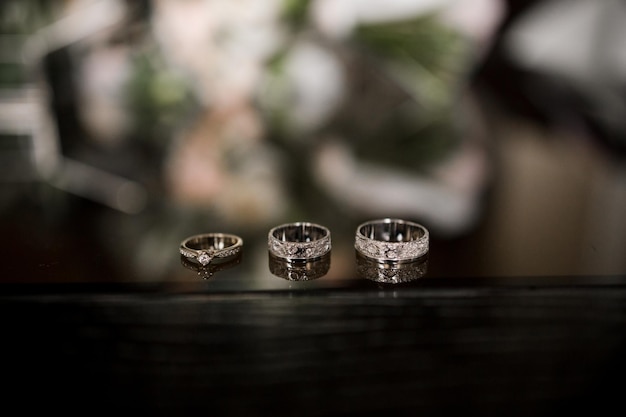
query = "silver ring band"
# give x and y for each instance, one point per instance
(299, 241)
(204, 248)
(391, 240)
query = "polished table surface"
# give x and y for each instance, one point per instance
(434, 347)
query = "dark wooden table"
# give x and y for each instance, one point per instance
(436, 347)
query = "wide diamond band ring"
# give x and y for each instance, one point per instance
(207, 247)
(391, 240)
(299, 241)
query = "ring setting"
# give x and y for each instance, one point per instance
(392, 240)
(209, 247)
(299, 241)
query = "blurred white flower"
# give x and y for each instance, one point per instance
(337, 19)
(307, 89)
(220, 45)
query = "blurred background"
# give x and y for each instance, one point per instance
(127, 126)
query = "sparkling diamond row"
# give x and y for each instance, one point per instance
(187, 254)
(392, 251)
(219, 254)
(227, 252)
(299, 250)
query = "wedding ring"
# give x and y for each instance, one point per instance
(300, 270)
(391, 272)
(391, 240)
(299, 241)
(205, 248)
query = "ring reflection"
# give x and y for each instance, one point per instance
(391, 272)
(299, 270)
(208, 271)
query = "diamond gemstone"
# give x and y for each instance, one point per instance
(204, 258)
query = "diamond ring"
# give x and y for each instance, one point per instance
(299, 241)
(204, 248)
(391, 240)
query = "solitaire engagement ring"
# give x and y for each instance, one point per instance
(391, 240)
(299, 241)
(205, 248)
